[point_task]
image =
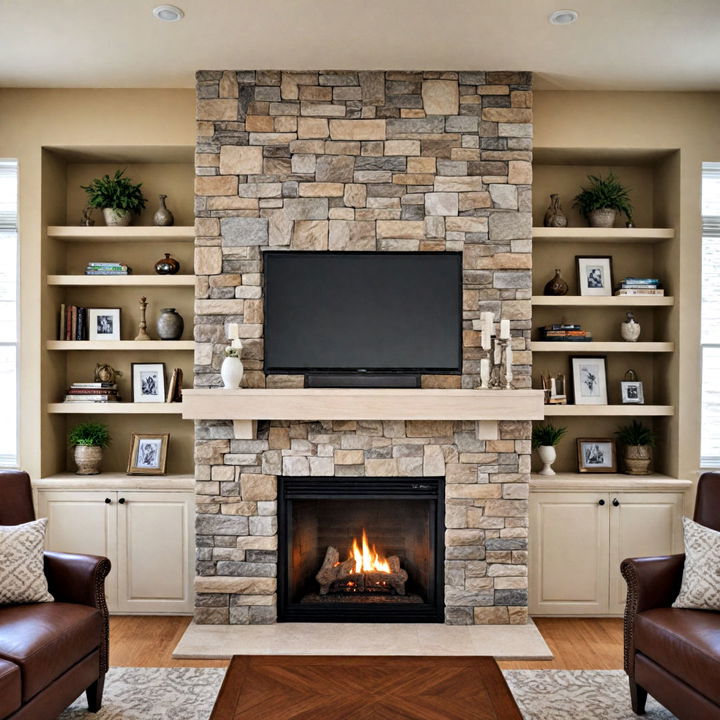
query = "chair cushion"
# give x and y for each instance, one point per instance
(10, 688)
(700, 589)
(684, 642)
(22, 572)
(46, 640)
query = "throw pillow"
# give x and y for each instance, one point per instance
(700, 588)
(22, 577)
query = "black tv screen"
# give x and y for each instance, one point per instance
(357, 311)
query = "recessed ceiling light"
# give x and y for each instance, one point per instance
(168, 13)
(563, 17)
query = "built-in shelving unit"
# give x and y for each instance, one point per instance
(624, 301)
(122, 280)
(609, 410)
(119, 408)
(109, 345)
(114, 234)
(602, 235)
(579, 348)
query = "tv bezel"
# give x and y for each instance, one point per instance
(365, 371)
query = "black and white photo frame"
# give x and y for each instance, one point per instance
(103, 324)
(596, 455)
(589, 379)
(148, 382)
(148, 454)
(594, 275)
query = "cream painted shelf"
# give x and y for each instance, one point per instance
(178, 233)
(108, 345)
(119, 408)
(606, 481)
(114, 481)
(602, 302)
(120, 280)
(582, 348)
(609, 410)
(609, 235)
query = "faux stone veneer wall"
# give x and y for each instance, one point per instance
(413, 161)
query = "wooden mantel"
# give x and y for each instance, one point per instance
(246, 406)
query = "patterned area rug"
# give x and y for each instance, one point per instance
(189, 694)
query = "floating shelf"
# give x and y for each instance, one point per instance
(109, 345)
(178, 233)
(614, 301)
(603, 482)
(120, 280)
(610, 235)
(115, 481)
(609, 410)
(118, 408)
(585, 348)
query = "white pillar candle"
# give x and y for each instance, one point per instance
(504, 329)
(553, 387)
(485, 339)
(233, 331)
(484, 373)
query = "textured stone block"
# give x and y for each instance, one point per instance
(310, 235)
(355, 195)
(217, 110)
(433, 461)
(241, 160)
(306, 208)
(352, 235)
(412, 229)
(220, 525)
(402, 147)
(440, 97)
(441, 203)
(216, 185)
(258, 487)
(312, 128)
(335, 168)
(324, 189)
(208, 260)
(357, 129)
(239, 231)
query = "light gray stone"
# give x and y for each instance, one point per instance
(441, 203)
(306, 208)
(505, 226)
(504, 196)
(239, 231)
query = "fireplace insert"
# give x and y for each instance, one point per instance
(361, 549)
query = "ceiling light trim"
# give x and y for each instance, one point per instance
(168, 13)
(563, 17)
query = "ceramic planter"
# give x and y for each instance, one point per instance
(170, 324)
(115, 216)
(547, 455)
(603, 218)
(88, 459)
(231, 372)
(637, 459)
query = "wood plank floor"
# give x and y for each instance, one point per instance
(576, 643)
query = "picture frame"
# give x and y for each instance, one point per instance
(594, 275)
(589, 379)
(148, 454)
(103, 324)
(597, 455)
(631, 392)
(148, 382)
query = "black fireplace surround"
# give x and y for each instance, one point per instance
(403, 517)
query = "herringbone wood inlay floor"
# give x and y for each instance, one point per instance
(364, 688)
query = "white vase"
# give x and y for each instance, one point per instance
(547, 456)
(232, 372)
(630, 330)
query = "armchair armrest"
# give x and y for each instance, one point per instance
(80, 579)
(653, 582)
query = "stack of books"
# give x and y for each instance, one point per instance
(73, 323)
(107, 268)
(97, 392)
(564, 333)
(640, 286)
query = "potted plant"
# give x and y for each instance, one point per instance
(637, 441)
(544, 440)
(117, 196)
(605, 197)
(89, 439)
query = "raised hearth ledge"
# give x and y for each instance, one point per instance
(246, 406)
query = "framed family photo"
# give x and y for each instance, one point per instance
(631, 392)
(148, 382)
(103, 323)
(596, 455)
(594, 275)
(148, 454)
(589, 379)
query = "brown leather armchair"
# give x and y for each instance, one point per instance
(672, 653)
(51, 652)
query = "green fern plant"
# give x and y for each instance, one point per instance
(117, 192)
(604, 193)
(635, 434)
(547, 435)
(89, 433)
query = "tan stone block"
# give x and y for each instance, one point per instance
(235, 585)
(257, 542)
(433, 461)
(520, 172)
(421, 165)
(228, 85)
(466, 224)
(521, 98)
(341, 213)
(440, 97)
(290, 81)
(412, 179)
(219, 307)
(217, 110)
(493, 90)
(259, 123)
(241, 160)
(205, 129)
(315, 93)
(254, 313)
(258, 487)
(245, 508)
(470, 100)
(500, 446)
(224, 280)
(230, 202)
(208, 260)
(506, 508)
(207, 159)
(279, 438)
(342, 147)
(311, 109)
(411, 113)
(461, 184)
(207, 226)
(441, 381)
(491, 616)
(352, 235)
(468, 491)
(349, 457)
(474, 200)
(312, 128)
(409, 229)
(402, 147)
(279, 228)
(286, 123)
(464, 154)
(429, 428)
(507, 115)
(511, 583)
(271, 138)
(310, 235)
(357, 129)
(379, 468)
(355, 195)
(519, 615)
(321, 189)
(506, 261)
(216, 185)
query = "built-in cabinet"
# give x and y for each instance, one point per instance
(581, 531)
(147, 535)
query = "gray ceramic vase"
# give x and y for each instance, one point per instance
(170, 324)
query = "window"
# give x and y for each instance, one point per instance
(8, 313)
(710, 433)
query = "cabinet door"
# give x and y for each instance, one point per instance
(83, 522)
(155, 538)
(569, 536)
(641, 525)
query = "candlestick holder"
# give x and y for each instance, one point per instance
(497, 372)
(142, 327)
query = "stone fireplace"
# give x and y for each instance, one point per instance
(371, 161)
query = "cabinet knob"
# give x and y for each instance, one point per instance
(108, 501)
(601, 502)
(615, 502)
(121, 501)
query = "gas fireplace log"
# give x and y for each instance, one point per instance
(333, 571)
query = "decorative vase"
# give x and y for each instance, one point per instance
(231, 372)
(170, 324)
(637, 459)
(554, 215)
(556, 286)
(630, 329)
(547, 456)
(603, 218)
(167, 265)
(115, 216)
(88, 459)
(163, 217)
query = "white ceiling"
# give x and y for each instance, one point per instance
(615, 44)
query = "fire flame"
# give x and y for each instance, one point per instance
(367, 560)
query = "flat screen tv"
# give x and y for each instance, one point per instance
(361, 312)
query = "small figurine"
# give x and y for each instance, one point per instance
(106, 373)
(86, 219)
(630, 328)
(554, 215)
